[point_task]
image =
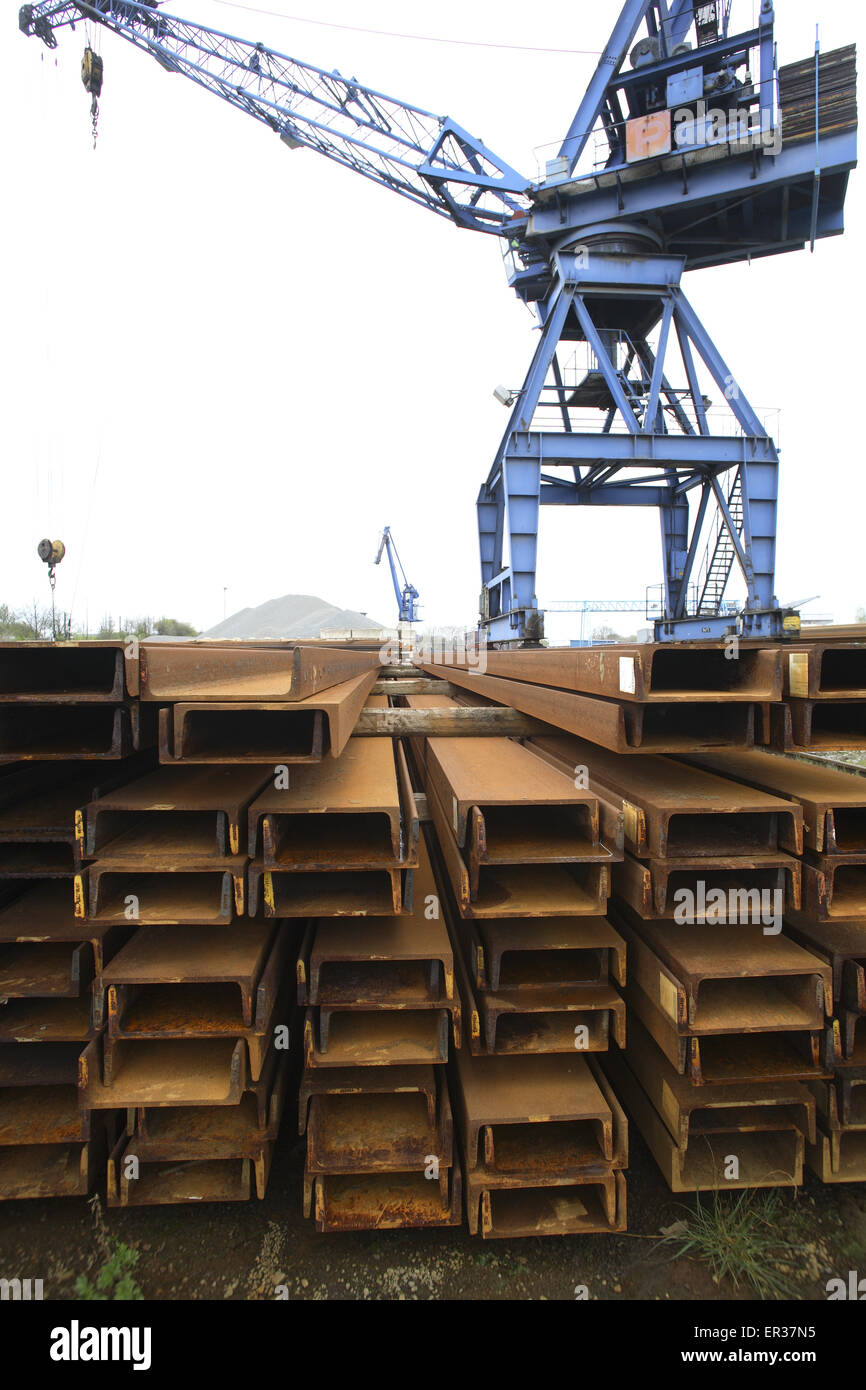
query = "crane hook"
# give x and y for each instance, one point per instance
(91, 75)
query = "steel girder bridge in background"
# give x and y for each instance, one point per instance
(700, 153)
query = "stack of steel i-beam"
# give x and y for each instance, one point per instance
(191, 1003)
(832, 923)
(198, 1005)
(524, 877)
(69, 728)
(726, 1009)
(375, 977)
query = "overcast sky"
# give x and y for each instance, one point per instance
(226, 365)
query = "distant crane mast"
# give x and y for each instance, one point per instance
(407, 594)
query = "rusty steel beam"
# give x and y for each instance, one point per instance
(38, 821)
(235, 985)
(765, 1156)
(555, 953)
(355, 812)
(621, 725)
(247, 672)
(552, 1104)
(732, 981)
(264, 731)
(385, 962)
(42, 1115)
(580, 1207)
(692, 1113)
(839, 1157)
(522, 890)
(674, 810)
(527, 811)
(158, 1184)
(800, 725)
(386, 1133)
(49, 1170)
(381, 1201)
(45, 913)
(373, 1081)
(68, 672)
(185, 893)
(234, 1131)
(51, 1064)
(730, 1058)
(330, 892)
(377, 1038)
(690, 673)
(759, 888)
(47, 1020)
(45, 970)
(60, 732)
(826, 670)
(833, 802)
(522, 1021)
(834, 887)
(210, 1071)
(172, 813)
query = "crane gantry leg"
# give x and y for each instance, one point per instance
(634, 428)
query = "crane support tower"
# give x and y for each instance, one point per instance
(690, 148)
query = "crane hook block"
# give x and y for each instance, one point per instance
(91, 72)
(52, 552)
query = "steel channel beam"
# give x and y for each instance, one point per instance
(378, 1038)
(356, 811)
(651, 888)
(555, 953)
(45, 913)
(623, 727)
(158, 1184)
(246, 672)
(834, 887)
(827, 671)
(173, 813)
(48, 1020)
(381, 1201)
(373, 1081)
(330, 892)
(49, 1170)
(735, 981)
(182, 1134)
(386, 1133)
(68, 672)
(210, 1071)
(591, 1205)
(833, 802)
(799, 725)
(692, 1113)
(675, 673)
(45, 970)
(521, 890)
(180, 894)
(392, 962)
(768, 1157)
(42, 1115)
(673, 810)
(51, 733)
(264, 731)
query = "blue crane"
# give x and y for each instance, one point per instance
(407, 594)
(701, 152)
